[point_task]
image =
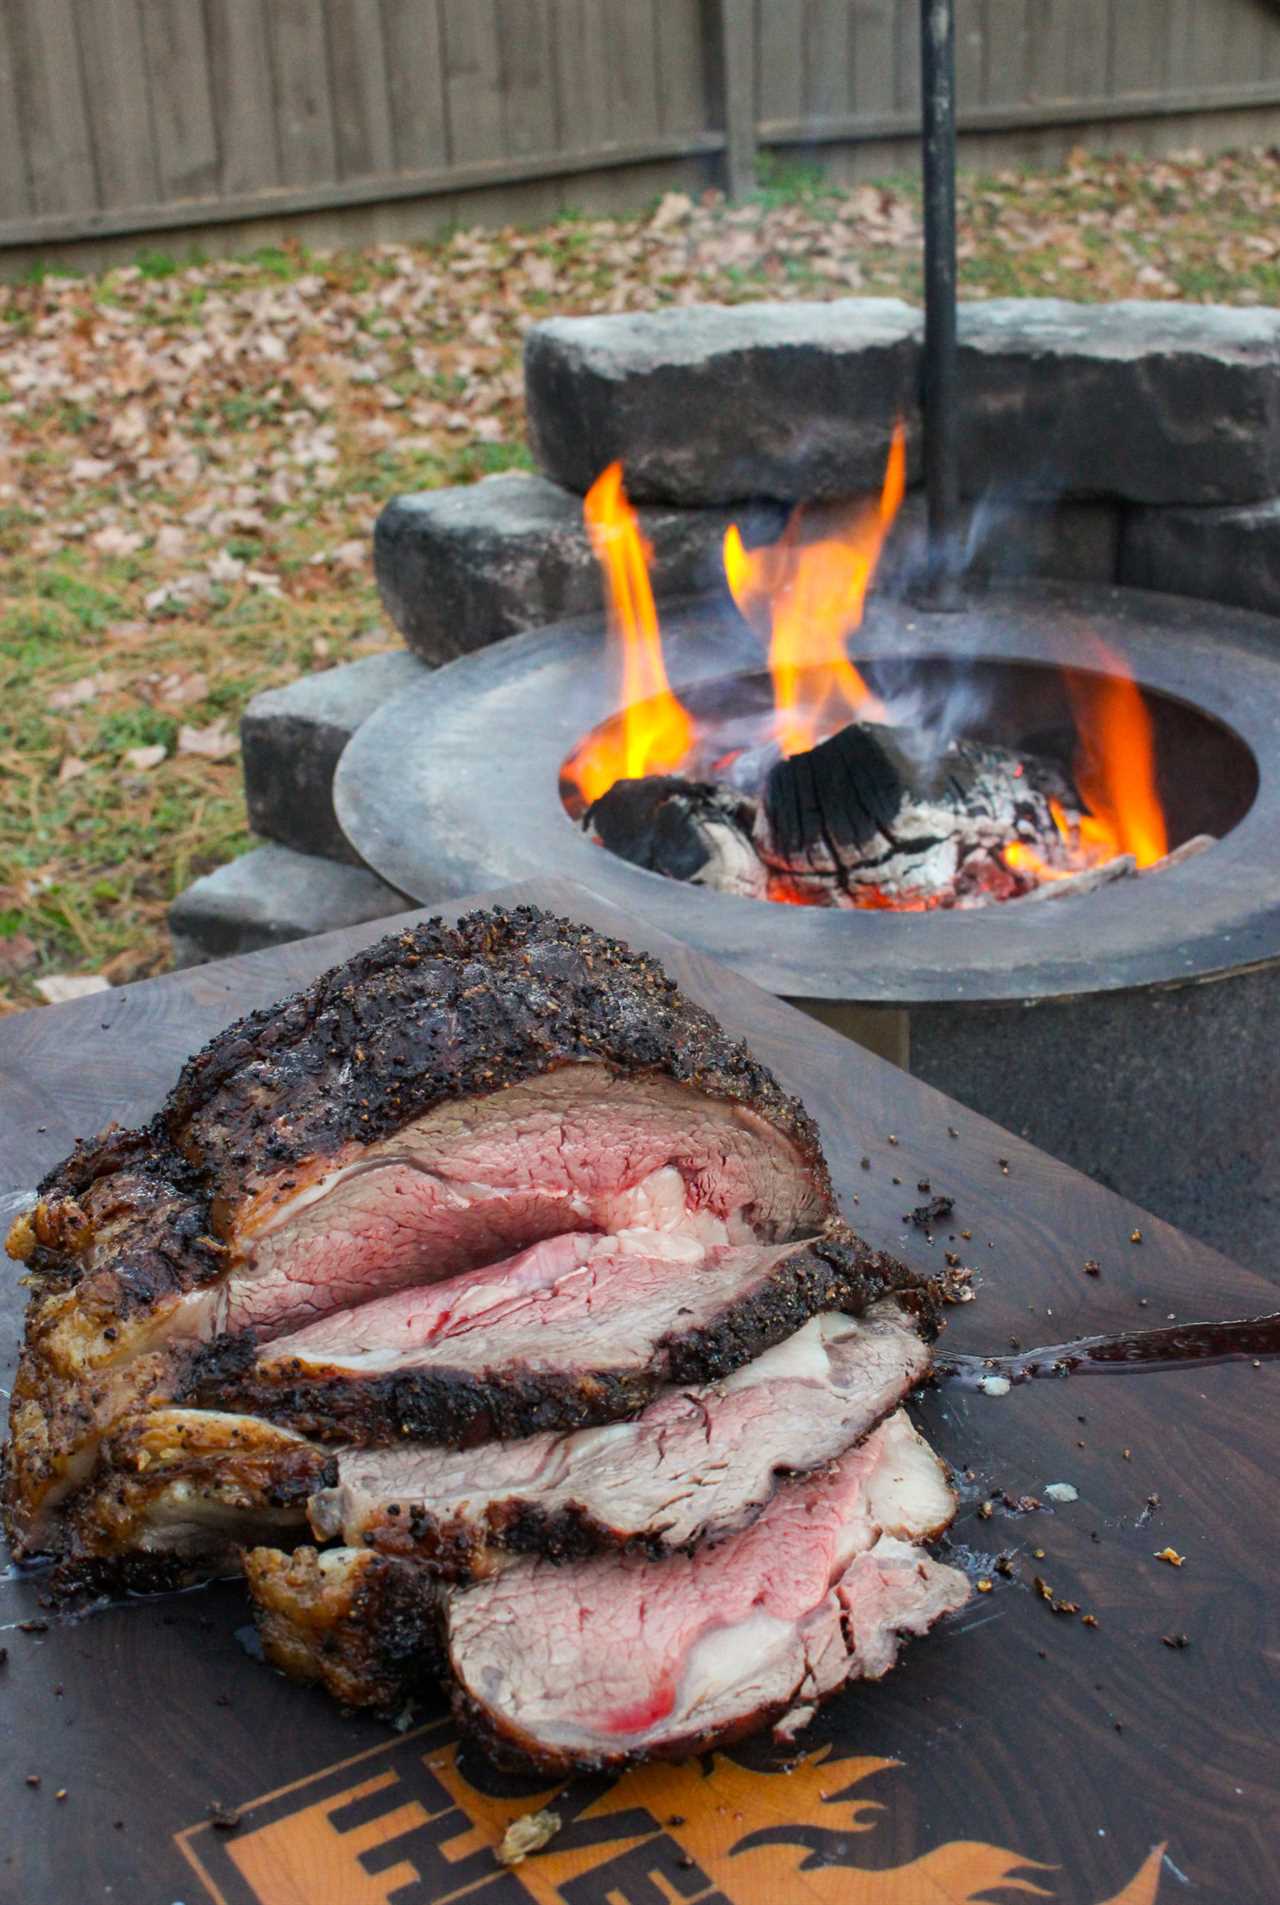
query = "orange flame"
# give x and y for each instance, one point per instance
(810, 587)
(655, 732)
(1116, 771)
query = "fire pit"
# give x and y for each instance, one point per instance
(1150, 1052)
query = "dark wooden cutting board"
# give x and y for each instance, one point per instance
(1019, 1752)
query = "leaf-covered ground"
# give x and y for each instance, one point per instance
(192, 457)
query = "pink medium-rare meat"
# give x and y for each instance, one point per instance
(581, 1150)
(698, 1463)
(595, 1663)
(273, 1184)
(576, 1331)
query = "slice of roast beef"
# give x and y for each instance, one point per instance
(698, 1463)
(595, 1663)
(574, 1332)
(442, 1100)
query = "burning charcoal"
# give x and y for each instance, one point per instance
(840, 794)
(687, 830)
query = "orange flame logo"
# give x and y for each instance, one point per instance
(808, 589)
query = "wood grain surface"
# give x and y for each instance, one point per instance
(1018, 1748)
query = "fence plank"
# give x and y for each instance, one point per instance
(682, 63)
(633, 68)
(826, 67)
(243, 97)
(1006, 51)
(413, 37)
(780, 36)
(970, 54)
(119, 103)
(1139, 46)
(907, 58)
(358, 78)
(528, 76)
(304, 117)
(582, 51)
(874, 86)
(739, 53)
(177, 57)
(54, 118)
(15, 194)
(1070, 50)
(472, 79)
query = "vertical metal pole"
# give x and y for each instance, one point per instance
(942, 485)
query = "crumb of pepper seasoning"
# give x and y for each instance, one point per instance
(223, 1818)
(866, 1164)
(676, 1819)
(1004, 1165)
(967, 1235)
(1127, 1454)
(892, 1139)
(33, 1779)
(1004, 1565)
(61, 1793)
(1092, 1267)
(1088, 1620)
(1037, 1554)
(1168, 1554)
(985, 1510)
(952, 1132)
(1135, 1236)
(33, 1627)
(896, 1180)
(984, 1585)
(1176, 1640)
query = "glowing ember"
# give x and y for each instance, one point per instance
(808, 590)
(655, 733)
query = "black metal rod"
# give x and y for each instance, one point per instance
(940, 392)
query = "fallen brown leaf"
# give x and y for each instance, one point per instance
(17, 954)
(60, 987)
(145, 758)
(86, 689)
(215, 743)
(71, 769)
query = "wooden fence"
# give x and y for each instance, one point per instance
(137, 116)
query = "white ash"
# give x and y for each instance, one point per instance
(1061, 1492)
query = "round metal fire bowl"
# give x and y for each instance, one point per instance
(453, 787)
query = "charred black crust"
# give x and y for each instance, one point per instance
(441, 1012)
(450, 1408)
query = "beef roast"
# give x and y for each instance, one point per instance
(446, 1097)
(697, 1463)
(493, 1256)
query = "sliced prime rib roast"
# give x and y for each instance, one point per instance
(495, 1257)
